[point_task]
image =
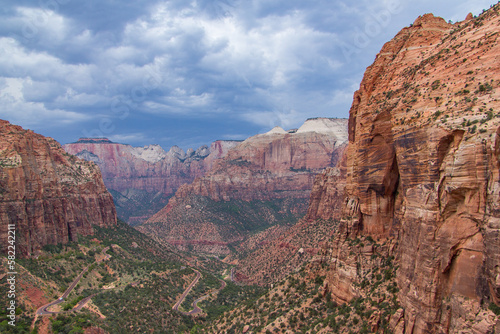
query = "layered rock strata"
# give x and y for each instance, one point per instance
(142, 179)
(277, 168)
(49, 195)
(420, 176)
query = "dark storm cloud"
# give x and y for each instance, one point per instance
(149, 71)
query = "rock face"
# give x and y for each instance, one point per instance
(49, 195)
(273, 165)
(421, 176)
(273, 254)
(277, 168)
(142, 179)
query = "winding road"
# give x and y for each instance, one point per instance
(44, 310)
(188, 289)
(196, 309)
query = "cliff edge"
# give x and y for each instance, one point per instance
(49, 195)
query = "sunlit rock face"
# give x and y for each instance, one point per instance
(421, 174)
(142, 179)
(49, 195)
(148, 168)
(276, 168)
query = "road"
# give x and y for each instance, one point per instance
(83, 302)
(185, 293)
(196, 309)
(44, 310)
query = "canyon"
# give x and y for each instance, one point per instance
(386, 222)
(142, 179)
(411, 208)
(263, 181)
(49, 196)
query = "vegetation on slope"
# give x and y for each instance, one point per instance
(302, 303)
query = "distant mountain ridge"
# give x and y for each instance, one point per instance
(262, 181)
(142, 179)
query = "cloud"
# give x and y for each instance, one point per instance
(267, 119)
(242, 65)
(43, 24)
(18, 61)
(235, 136)
(17, 110)
(129, 137)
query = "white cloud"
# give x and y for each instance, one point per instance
(286, 119)
(17, 61)
(42, 24)
(235, 136)
(179, 102)
(201, 63)
(255, 63)
(73, 100)
(129, 137)
(19, 111)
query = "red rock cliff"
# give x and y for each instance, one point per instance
(147, 168)
(273, 165)
(142, 179)
(49, 195)
(421, 175)
(277, 166)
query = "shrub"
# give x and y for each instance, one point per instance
(485, 87)
(495, 308)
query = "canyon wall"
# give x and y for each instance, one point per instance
(421, 177)
(142, 179)
(48, 195)
(148, 168)
(264, 180)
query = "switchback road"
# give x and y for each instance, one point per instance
(185, 293)
(44, 310)
(196, 309)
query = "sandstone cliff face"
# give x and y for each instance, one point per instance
(149, 168)
(142, 179)
(49, 195)
(277, 168)
(421, 175)
(273, 165)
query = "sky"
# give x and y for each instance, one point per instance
(187, 73)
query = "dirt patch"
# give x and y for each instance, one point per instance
(44, 326)
(35, 296)
(94, 309)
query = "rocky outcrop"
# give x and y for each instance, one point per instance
(281, 250)
(277, 164)
(142, 179)
(421, 176)
(277, 168)
(48, 195)
(148, 168)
